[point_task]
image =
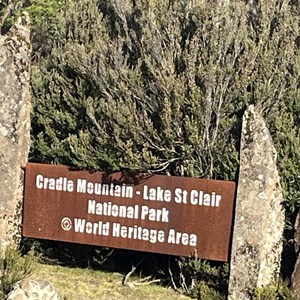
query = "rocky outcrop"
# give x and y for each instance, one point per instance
(15, 54)
(259, 218)
(33, 290)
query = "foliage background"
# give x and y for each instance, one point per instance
(158, 86)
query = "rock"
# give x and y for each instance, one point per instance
(259, 217)
(295, 280)
(15, 52)
(33, 290)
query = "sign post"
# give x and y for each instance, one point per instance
(145, 212)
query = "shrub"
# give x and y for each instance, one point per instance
(273, 292)
(14, 267)
(200, 279)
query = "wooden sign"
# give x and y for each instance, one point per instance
(145, 212)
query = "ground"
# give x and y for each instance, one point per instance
(87, 284)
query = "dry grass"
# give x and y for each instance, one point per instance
(86, 284)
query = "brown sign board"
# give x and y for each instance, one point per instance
(144, 212)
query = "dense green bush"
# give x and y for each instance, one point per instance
(162, 86)
(44, 16)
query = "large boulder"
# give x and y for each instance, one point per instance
(259, 217)
(15, 105)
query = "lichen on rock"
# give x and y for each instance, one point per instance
(33, 289)
(15, 105)
(259, 217)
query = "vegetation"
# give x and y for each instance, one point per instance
(275, 292)
(14, 267)
(198, 279)
(96, 284)
(162, 86)
(8, 9)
